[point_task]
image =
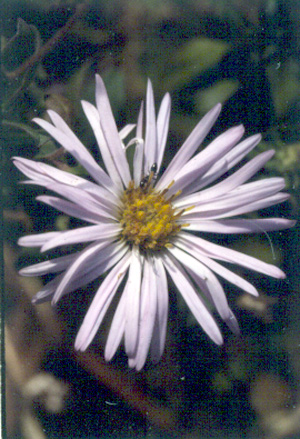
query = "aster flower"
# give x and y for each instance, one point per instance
(143, 228)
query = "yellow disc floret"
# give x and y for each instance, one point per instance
(148, 218)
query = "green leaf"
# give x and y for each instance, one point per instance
(20, 60)
(193, 58)
(25, 43)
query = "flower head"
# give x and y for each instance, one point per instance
(143, 228)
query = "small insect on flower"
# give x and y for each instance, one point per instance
(143, 228)
(150, 178)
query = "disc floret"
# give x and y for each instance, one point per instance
(148, 218)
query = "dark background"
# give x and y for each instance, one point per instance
(243, 54)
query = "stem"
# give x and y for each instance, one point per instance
(49, 45)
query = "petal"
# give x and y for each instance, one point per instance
(190, 145)
(53, 266)
(241, 196)
(100, 304)
(83, 234)
(150, 150)
(148, 313)
(200, 163)
(234, 257)
(138, 158)
(110, 131)
(93, 117)
(232, 323)
(235, 180)
(133, 297)
(160, 326)
(65, 136)
(46, 175)
(228, 317)
(222, 166)
(163, 120)
(123, 133)
(83, 258)
(117, 328)
(231, 182)
(32, 169)
(213, 286)
(104, 207)
(138, 161)
(230, 226)
(139, 126)
(192, 299)
(110, 255)
(37, 240)
(185, 242)
(251, 207)
(47, 292)
(71, 209)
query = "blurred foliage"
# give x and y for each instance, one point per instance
(243, 54)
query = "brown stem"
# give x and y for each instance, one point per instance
(120, 383)
(49, 45)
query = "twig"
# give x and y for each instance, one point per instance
(49, 45)
(119, 383)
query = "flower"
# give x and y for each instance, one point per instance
(142, 227)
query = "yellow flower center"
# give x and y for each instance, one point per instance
(147, 218)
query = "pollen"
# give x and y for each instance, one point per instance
(148, 218)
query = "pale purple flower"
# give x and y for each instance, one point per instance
(143, 227)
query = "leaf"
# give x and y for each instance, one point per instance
(43, 141)
(18, 63)
(193, 58)
(25, 43)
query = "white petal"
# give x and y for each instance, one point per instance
(83, 258)
(52, 266)
(147, 318)
(71, 209)
(123, 133)
(228, 317)
(150, 148)
(47, 292)
(117, 328)
(200, 163)
(231, 226)
(213, 285)
(185, 242)
(110, 131)
(83, 234)
(239, 177)
(65, 136)
(251, 207)
(233, 324)
(110, 255)
(190, 145)
(133, 297)
(234, 156)
(37, 240)
(232, 256)
(163, 119)
(32, 170)
(104, 207)
(93, 117)
(46, 175)
(160, 326)
(138, 159)
(100, 304)
(192, 299)
(139, 126)
(241, 196)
